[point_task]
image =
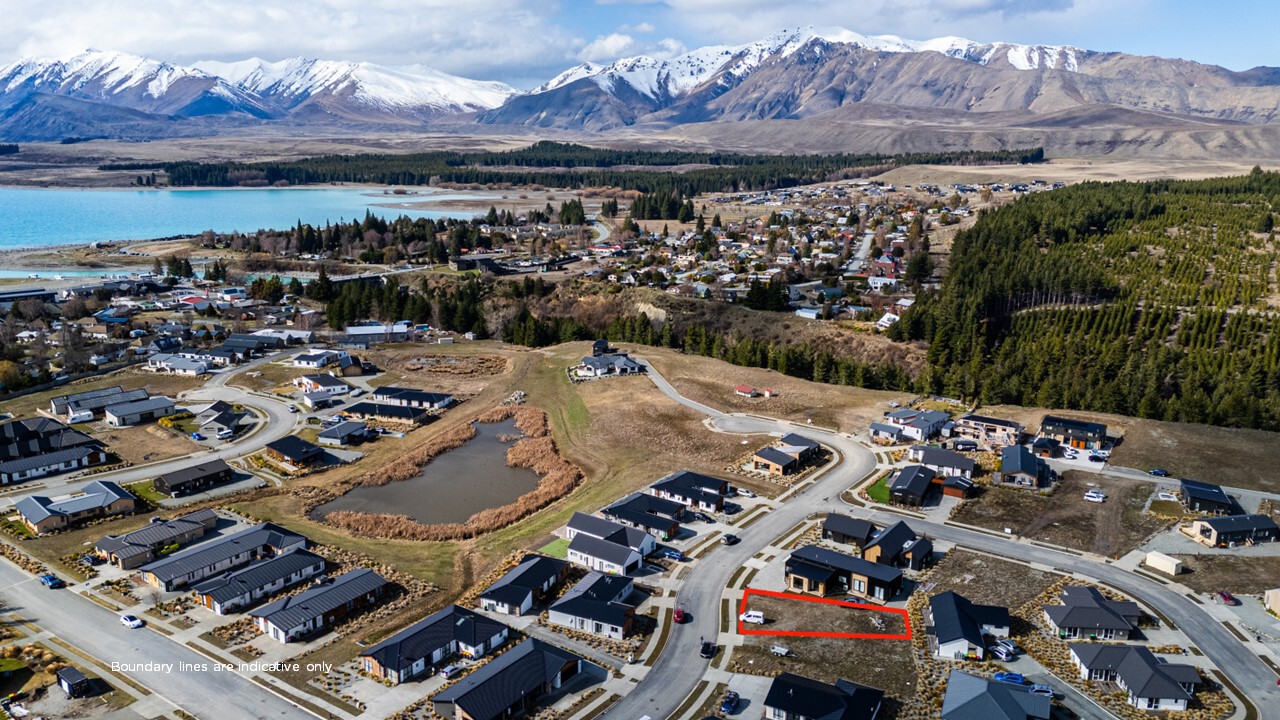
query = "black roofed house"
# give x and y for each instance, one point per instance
(605, 546)
(942, 462)
(692, 489)
(960, 628)
(241, 588)
(141, 546)
(795, 697)
(600, 347)
(223, 422)
(846, 530)
(774, 461)
(911, 485)
(898, 545)
(36, 447)
(1085, 613)
(163, 344)
(430, 642)
(1149, 683)
(383, 412)
(295, 451)
(214, 409)
(1233, 530)
(313, 610)
(533, 580)
(798, 446)
(970, 697)
(220, 555)
(819, 571)
(95, 401)
(97, 499)
(509, 685)
(349, 432)
(1206, 498)
(596, 605)
(193, 479)
(139, 411)
(609, 364)
(654, 515)
(1020, 467)
(1078, 434)
(410, 397)
(1045, 447)
(322, 384)
(886, 434)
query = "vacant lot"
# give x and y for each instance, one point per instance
(798, 615)
(711, 383)
(986, 580)
(885, 664)
(1240, 575)
(1064, 518)
(142, 444)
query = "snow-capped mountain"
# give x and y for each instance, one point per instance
(415, 89)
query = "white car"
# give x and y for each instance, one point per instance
(1096, 496)
(1166, 495)
(745, 493)
(130, 621)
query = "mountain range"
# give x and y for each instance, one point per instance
(817, 82)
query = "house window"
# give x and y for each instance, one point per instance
(777, 714)
(860, 586)
(1153, 703)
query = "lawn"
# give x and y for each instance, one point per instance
(556, 549)
(879, 491)
(144, 491)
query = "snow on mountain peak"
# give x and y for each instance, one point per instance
(108, 73)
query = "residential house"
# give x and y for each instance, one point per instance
(596, 605)
(322, 384)
(220, 555)
(138, 412)
(911, 485)
(799, 447)
(918, 425)
(384, 413)
(960, 628)
(1233, 530)
(611, 364)
(886, 434)
(988, 432)
(163, 345)
(241, 588)
(141, 546)
(411, 398)
(230, 421)
(311, 611)
(745, 391)
(295, 451)
(774, 461)
(970, 697)
(1045, 447)
(429, 643)
(656, 516)
(846, 530)
(98, 499)
(193, 479)
(37, 447)
(693, 490)
(1148, 683)
(319, 359)
(1085, 613)
(511, 684)
(177, 365)
(898, 545)
(819, 571)
(1206, 498)
(795, 697)
(942, 462)
(213, 410)
(1020, 467)
(94, 401)
(598, 544)
(349, 432)
(1075, 433)
(524, 585)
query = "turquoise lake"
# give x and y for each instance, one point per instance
(37, 217)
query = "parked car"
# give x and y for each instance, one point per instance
(745, 493)
(729, 540)
(131, 621)
(92, 560)
(1008, 644)
(293, 409)
(704, 517)
(673, 554)
(754, 617)
(51, 581)
(730, 703)
(1011, 677)
(1097, 458)
(451, 672)
(225, 434)
(1158, 472)
(196, 436)
(1227, 598)
(1042, 690)
(1001, 653)
(1095, 495)
(708, 650)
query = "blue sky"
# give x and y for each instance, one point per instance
(525, 43)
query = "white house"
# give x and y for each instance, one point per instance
(961, 627)
(605, 546)
(596, 605)
(175, 365)
(1149, 683)
(319, 359)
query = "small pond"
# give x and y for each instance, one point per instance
(452, 487)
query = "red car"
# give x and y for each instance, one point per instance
(1228, 598)
(678, 615)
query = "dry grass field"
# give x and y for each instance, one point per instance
(1235, 574)
(885, 664)
(986, 580)
(797, 615)
(149, 443)
(1069, 170)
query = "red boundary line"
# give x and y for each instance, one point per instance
(748, 592)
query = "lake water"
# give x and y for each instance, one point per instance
(452, 487)
(36, 217)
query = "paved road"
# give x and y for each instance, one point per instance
(674, 675)
(279, 423)
(97, 631)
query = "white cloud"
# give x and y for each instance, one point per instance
(643, 28)
(668, 48)
(608, 48)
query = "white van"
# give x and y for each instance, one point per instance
(752, 616)
(226, 434)
(80, 416)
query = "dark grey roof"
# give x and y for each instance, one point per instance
(598, 597)
(774, 455)
(436, 631)
(592, 546)
(648, 504)
(800, 696)
(97, 403)
(798, 441)
(343, 429)
(219, 549)
(1072, 427)
(257, 575)
(912, 480)
(61, 402)
(689, 482)
(70, 675)
(533, 572)
(970, 697)
(153, 535)
(290, 612)
(1205, 491)
(523, 670)
(886, 428)
(1241, 523)
(954, 617)
(845, 525)
(1019, 459)
(399, 412)
(639, 519)
(139, 406)
(847, 563)
(326, 381)
(892, 540)
(195, 472)
(48, 459)
(943, 458)
(1087, 609)
(607, 530)
(294, 448)
(412, 395)
(1142, 673)
(97, 494)
(32, 437)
